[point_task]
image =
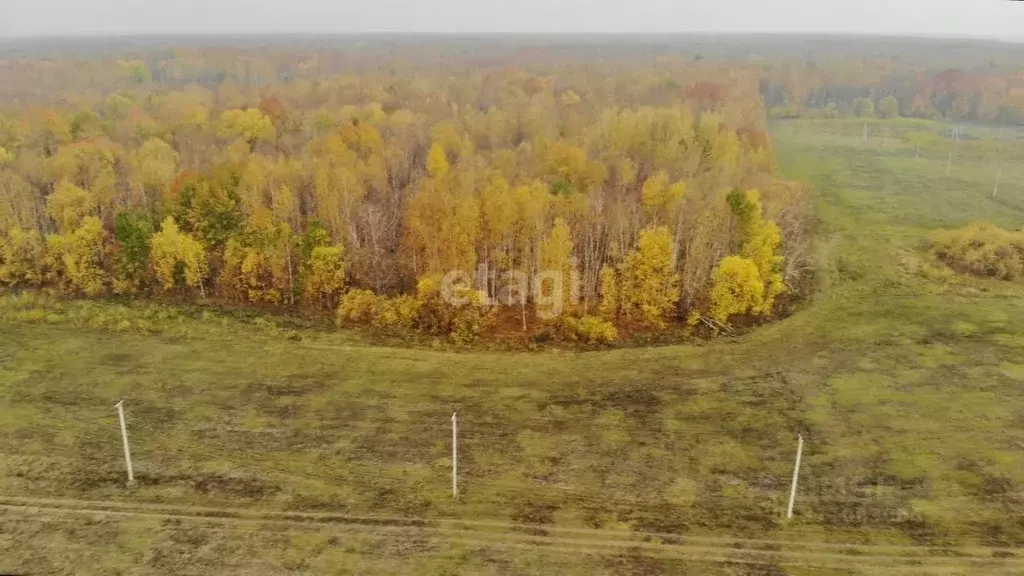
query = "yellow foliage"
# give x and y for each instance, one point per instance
(662, 198)
(437, 161)
(5, 156)
(609, 306)
(338, 187)
(91, 165)
(250, 124)
(590, 329)
(569, 169)
(556, 258)
(156, 164)
(257, 273)
(762, 249)
(22, 253)
(570, 98)
(257, 263)
(435, 313)
(396, 313)
(447, 135)
(69, 205)
(468, 322)
(364, 307)
(324, 275)
(498, 212)
(737, 288)
(441, 228)
(238, 152)
(981, 249)
(760, 243)
(653, 191)
(358, 306)
(173, 252)
(462, 323)
(363, 137)
(648, 283)
(75, 260)
(427, 286)
(566, 162)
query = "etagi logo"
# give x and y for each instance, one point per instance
(549, 290)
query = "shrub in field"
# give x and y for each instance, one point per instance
(469, 320)
(981, 249)
(386, 313)
(358, 306)
(590, 329)
(396, 313)
(434, 314)
(462, 323)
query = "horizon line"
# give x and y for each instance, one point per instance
(462, 33)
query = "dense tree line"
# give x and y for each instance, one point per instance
(650, 192)
(887, 88)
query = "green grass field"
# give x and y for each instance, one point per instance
(906, 381)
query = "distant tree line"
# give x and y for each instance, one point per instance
(888, 88)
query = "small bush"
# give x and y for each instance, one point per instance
(590, 329)
(398, 313)
(469, 320)
(358, 306)
(463, 324)
(981, 249)
(369, 309)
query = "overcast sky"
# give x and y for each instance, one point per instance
(995, 18)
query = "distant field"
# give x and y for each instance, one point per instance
(904, 379)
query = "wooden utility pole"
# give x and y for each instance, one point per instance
(796, 473)
(455, 455)
(124, 440)
(995, 189)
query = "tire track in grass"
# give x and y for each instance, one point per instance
(713, 549)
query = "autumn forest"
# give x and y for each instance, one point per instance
(629, 191)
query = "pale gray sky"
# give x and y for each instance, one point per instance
(996, 18)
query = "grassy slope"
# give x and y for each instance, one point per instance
(905, 382)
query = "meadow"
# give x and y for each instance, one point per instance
(265, 446)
